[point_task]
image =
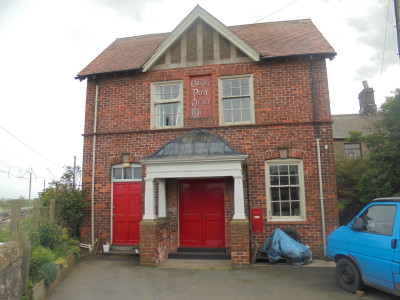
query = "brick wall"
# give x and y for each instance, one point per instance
(240, 247)
(154, 241)
(284, 114)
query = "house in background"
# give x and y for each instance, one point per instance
(361, 122)
(210, 137)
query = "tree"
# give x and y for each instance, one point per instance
(349, 173)
(70, 202)
(383, 177)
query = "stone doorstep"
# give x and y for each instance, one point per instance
(121, 250)
(195, 264)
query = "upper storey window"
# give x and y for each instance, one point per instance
(236, 100)
(166, 105)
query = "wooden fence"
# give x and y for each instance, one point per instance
(20, 278)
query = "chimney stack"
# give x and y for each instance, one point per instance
(367, 100)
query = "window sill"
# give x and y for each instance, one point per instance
(167, 127)
(237, 123)
(286, 221)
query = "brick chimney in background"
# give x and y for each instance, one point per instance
(367, 100)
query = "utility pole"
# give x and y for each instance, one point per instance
(73, 185)
(397, 14)
(30, 171)
(30, 186)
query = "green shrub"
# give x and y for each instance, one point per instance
(67, 245)
(49, 271)
(49, 235)
(40, 256)
(35, 239)
(70, 202)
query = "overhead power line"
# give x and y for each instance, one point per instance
(29, 147)
(384, 40)
(283, 7)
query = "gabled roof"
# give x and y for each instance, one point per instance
(342, 124)
(261, 40)
(214, 23)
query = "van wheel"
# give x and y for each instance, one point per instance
(347, 275)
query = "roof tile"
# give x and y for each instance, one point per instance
(271, 39)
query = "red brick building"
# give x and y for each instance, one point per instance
(191, 134)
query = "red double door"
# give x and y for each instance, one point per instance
(127, 202)
(201, 213)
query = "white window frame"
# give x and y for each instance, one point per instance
(220, 99)
(121, 166)
(154, 102)
(278, 162)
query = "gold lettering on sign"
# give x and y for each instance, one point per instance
(201, 97)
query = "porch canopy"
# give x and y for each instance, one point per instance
(199, 154)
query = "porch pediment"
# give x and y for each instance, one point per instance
(199, 154)
(199, 144)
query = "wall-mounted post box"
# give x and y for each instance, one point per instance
(257, 220)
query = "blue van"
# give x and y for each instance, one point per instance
(367, 250)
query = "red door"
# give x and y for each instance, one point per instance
(127, 198)
(201, 213)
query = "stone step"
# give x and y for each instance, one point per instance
(121, 253)
(201, 249)
(123, 248)
(208, 254)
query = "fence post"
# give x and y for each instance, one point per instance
(36, 213)
(15, 218)
(52, 210)
(26, 247)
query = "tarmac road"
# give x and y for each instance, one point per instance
(111, 277)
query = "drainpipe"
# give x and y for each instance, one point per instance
(321, 190)
(248, 207)
(94, 153)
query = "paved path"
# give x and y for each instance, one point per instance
(107, 277)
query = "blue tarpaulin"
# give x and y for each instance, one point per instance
(279, 245)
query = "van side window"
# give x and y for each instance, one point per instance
(379, 219)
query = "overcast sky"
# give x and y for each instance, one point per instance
(45, 43)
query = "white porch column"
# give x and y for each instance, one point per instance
(162, 202)
(149, 200)
(239, 199)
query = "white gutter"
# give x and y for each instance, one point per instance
(94, 156)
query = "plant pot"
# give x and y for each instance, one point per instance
(106, 248)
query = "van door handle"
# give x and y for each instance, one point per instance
(393, 244)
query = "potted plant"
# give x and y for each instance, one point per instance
(106, 247)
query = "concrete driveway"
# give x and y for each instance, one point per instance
(111, 277)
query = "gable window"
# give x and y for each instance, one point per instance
(285, 189)
(166, 108)
(352, 150)
(236, 100)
